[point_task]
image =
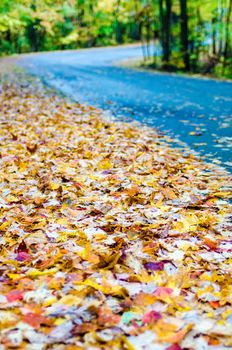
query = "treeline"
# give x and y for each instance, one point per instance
(190, 35)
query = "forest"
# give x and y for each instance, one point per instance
(186, 35)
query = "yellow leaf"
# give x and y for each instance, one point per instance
(59, 321)
(14, 276)
(62, 221)
(105, 165)
(50, 301)
(54, 185)
(4, 225)
(70, 300)
(36, 273)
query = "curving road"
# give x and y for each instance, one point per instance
(197, 111)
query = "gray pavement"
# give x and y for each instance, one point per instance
(197, 111)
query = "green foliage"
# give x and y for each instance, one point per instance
(38, 25)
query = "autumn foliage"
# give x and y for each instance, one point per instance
(110, 238)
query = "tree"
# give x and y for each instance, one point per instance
(227, 35)
(192, 34)
(165, 27)
(184, 33)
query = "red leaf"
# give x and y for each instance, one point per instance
(215, 304)
(162, 291)
(35, 320)
(134, 324)
(151, 316)
(23, 256)
(174, 347)
(14, 295)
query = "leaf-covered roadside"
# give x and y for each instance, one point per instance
(110, 238)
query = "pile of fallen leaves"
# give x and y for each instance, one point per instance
(109, 237)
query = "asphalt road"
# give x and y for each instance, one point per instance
(197, 111)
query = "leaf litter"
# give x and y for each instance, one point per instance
(109, 237)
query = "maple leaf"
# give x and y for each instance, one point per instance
(151, 316)
(35, 320)
(109, 236)
(14, 295)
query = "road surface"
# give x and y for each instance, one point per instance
(197, 111)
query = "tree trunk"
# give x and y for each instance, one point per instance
(161, 18)
(165, 28)
(167, 31)
(184, 33)
(214, 20)
(221, 9)
(118, 25)
(227, 34)
(148, 33)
